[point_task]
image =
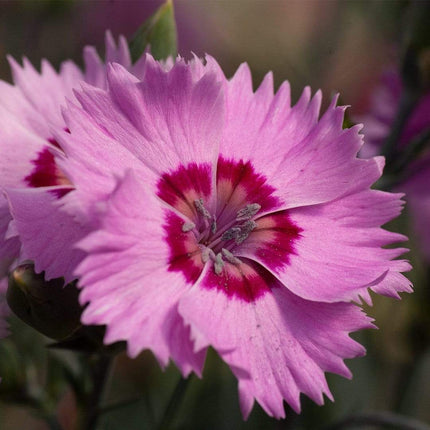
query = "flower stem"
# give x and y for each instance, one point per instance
(99, 370)
(382, 419)
(174, 403)
(415, 147)
(407, 103)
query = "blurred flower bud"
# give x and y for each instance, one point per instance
(416, 46)
(50, 307)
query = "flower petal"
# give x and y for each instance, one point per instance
(170, 110)
(9, 247)
(278, 345)
(17, 105)
(92, 157)
(287, 143)
(47, 233)
(137, 119)
(338, 255)
(127, 281)
(117, 53)
(47, 90)
(19, 147)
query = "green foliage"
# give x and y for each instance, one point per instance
(50, 307)
(159, 32)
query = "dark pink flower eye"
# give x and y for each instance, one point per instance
(241, 213)
(45, 172)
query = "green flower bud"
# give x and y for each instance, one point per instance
(50, 307)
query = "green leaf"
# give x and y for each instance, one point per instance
(159, 31)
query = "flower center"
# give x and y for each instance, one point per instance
(232, 223)
(216, 241)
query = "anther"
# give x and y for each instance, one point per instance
(231, 233)
(201, 208)
(218, 264)
(245, 229)
(206, 254)
(213, 225)
(230, 257)
(188, 226)
(248, 226)
(248, 212)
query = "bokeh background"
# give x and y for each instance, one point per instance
(338, 46)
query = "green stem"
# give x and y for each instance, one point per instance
(99, 370)
(406, 106)
(118, 405)
(381, 419)
(414, 149)
(174, 403)
(53, 424)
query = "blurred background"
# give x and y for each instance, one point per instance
(338, 46)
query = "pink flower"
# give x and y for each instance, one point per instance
(30, 111)
(220, 217)
(377, 125)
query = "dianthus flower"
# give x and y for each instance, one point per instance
(221, 217)
(377, 124)
(29, 112)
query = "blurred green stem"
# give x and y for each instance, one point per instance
(390, 148)
(53, 423)
(99, 370)
(381, 419)
(174, 403)
(397, 171)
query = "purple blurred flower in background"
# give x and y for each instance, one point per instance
(382, 111)
(377, 125)
(417, 192)
(221, 217)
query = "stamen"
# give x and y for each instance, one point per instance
(206, 254)
(213, 225)
(210, 238)
(249, 226)
(201, 208)
(230, 257)
(239, 234)
(188, 226)
(248, 212)
(245, 229)
(218, 264)
(231, 233)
